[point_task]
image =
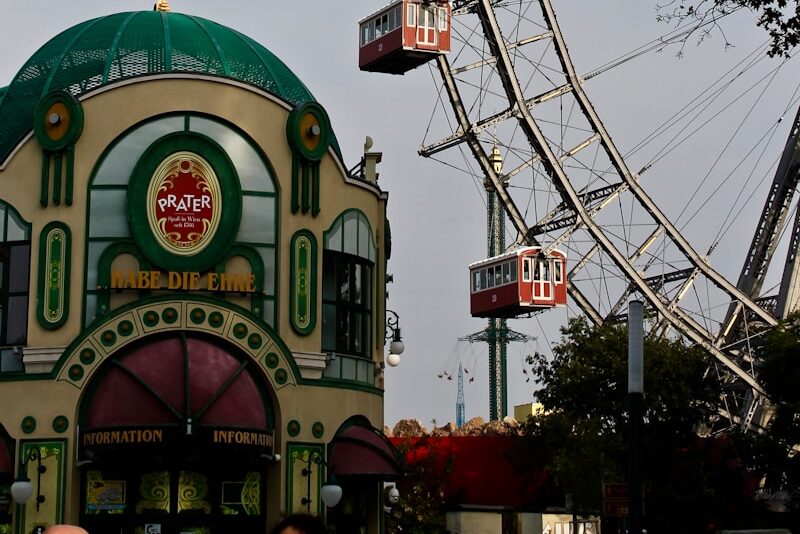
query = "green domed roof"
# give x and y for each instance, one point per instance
(108, 49)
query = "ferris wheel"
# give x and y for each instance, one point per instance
(510, 86)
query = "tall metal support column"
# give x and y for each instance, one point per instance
(497, 331)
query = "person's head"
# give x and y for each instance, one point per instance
(64, 529)
(300, 524)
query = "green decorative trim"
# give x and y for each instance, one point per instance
(272, 360)
(54, 457)
(308, 131)
(293, 428)
(231, 201)
(305, 472)
(151, 318)
(318, 430)
(310, 147)
(125, 328)
(255, 341)
(240, 330)
(281, 376)
(28, 424)
(169, 315)
(55, 251)
(76, 372)
(57, 125)
(216, 319)
(303, 285)
(108, 338)
(387, 239)
(87, 356)
(60, 424)
(177, 308)
(197, 315)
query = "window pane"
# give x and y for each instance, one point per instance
(268, 257)
(513, 268)
(349, 368)
(328, 277)
(252, 172)
(108, 214)
(269, 312)
(357, 332)
(506, 273)
(372, 30)
(10, 362)
(258, 220)
(483, 279)
(476, 281)
(411, 17)
(334, 237)
(17, 229)
(91, 309)
(357, 283)
(366, 286)
(19, 268)
(343, 277)
(118, 164)
(351, 234)
(328, 327)
(391, 26)
(557, 271)
(498, 275)
(526, 269)
(364, 34)
(17, 320)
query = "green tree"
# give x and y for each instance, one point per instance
(779, 18)
(774, 452)
(584, 429)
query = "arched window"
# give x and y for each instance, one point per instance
(108, 223)
(347, 285)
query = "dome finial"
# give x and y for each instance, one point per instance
(161, 5)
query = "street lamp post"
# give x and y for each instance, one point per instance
(396, 346)
(635, 400)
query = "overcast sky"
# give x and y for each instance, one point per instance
(437, 214)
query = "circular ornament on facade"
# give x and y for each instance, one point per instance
(254, 341)
(215, 319)
(317, 430)
(87, 356)
(308, 130)
(107, 338)
(272, 360)
(240, 330)
(28, 424)
(60, 424)
(75, 372)
(170, 315)
(197, 315)
(281, 376)
(184, 203)
(125, 328)
(58, 121)
(150, 318)
(293, 428)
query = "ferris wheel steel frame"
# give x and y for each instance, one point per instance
(579, 209)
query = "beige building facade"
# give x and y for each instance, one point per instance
(193, 313)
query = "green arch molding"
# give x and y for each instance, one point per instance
(55, 250)
(169, 313)
(104, 270)
(303, 282)
(231, 192)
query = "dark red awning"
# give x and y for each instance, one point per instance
(6, 463)
(361, 451)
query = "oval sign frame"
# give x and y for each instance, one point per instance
(220, 178)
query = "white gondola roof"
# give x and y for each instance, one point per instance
(508, 255)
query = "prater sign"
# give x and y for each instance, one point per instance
(184, 203)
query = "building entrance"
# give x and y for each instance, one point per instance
(158, 499)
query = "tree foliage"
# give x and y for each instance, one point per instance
(779, 18)
(584, 428)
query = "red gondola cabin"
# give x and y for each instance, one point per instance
(404, 35)
(518, 282)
